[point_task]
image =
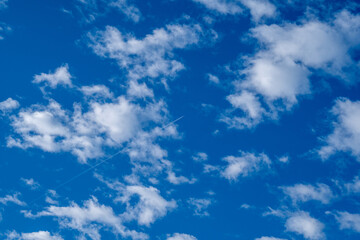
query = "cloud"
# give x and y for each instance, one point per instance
(354, 186)
(151, 56)
(278, 75)
(269, 238)
(30, 182)
(40, 235)
(3, 4)
(302, 223)
(12, 199)
(61, 76)
(97, 91)
(346, 130)
(88, 219)
(53, 129)
(200, 205)
(221, 6)
(181, 236)
(348, 221)
(244, 165)
(4, 28)
(150, 207)
(303, 193)
(260, 8)
(200, 157)
(8, 105)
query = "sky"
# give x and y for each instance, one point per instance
(180, 119)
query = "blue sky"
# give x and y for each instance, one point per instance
(179, 120)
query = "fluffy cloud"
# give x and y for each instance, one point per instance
(244, 165)
(348, 221)
(181, 236)
(143, 204)
(8, 105)
(12, 199)
(88, 219)
(150, 207)
(147, 57)
(54, 129)
(346, 130)
(276, 77)
(61, 76)
(200, 157)
(260, 8)
(40, 235)
(303, 193)
(302, 223)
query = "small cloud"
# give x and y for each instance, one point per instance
(30, 183)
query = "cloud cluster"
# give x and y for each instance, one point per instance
(276, 77)
(88, 219)
(151, 56)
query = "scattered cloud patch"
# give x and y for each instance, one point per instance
(8, 105)
(12, 199)
(40, 235)
(200, 205)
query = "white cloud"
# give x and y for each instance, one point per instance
(303, 193)
(150, 207)
(213, 79)
(354, 186)
(302, 223)
(260, 8)
(348, 221)
(200, 205)
(139, 90)
(200, 157)
(181, 236)
(40, 235)
(54, 129)
(100, 91)
(88, 219)
(346, 130)
(221, 6)
(8, 105)
(31, 183)
(61, 76)
(151, 56)
(269, 238)
(12, 199)
(244, 165)
(277, 75)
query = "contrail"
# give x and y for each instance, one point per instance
(96, 165)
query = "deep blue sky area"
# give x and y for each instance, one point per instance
(179, 119)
